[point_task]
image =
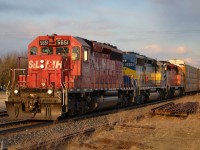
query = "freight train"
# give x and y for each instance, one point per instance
(69, 75)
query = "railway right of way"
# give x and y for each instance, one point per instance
(69, 127)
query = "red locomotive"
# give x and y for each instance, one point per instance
(174, 79)
(67, 75)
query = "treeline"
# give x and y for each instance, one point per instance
(10, 61)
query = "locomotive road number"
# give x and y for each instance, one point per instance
(62, 42)
(43, 42)
(129, 64)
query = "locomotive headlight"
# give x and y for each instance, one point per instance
(42, 61)
(50, 91)
(16, 91)
(42, 66)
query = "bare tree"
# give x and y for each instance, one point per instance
(10, 62)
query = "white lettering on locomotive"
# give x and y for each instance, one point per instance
(33, 64)
(58, 64)
(49, 64)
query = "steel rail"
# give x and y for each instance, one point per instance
(3, 113)
(9, 127)
(68, 137)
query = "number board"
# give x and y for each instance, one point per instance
(61, 42)
(43, 42)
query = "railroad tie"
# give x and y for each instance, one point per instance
(176, 109)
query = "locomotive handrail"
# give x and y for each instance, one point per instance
(62, 83)
(12, 79)
(7, 87)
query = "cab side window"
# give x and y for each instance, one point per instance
(85, 55)
(33, 50)
(75, 53)
(62, 50)
(140, 61)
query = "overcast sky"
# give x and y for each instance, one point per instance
(162, 29)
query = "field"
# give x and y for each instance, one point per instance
(139, 130)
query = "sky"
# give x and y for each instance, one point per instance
(161, 29)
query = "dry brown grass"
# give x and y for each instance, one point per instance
(138, 130)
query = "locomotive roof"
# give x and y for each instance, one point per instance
(84, 42)
(105, 47)
(180, 62)
(128, 52)
(97, 46)
(177, 62)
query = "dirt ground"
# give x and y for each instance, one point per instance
(138, 130)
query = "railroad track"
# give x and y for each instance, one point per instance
(51, 142)
(21, 125)
(3, 113)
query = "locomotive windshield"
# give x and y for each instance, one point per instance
(47, 50)
(33, 50)
(62, 50)
(50, 51)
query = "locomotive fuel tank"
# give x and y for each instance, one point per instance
(154, 96)
(108, 99)
(106, 102)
